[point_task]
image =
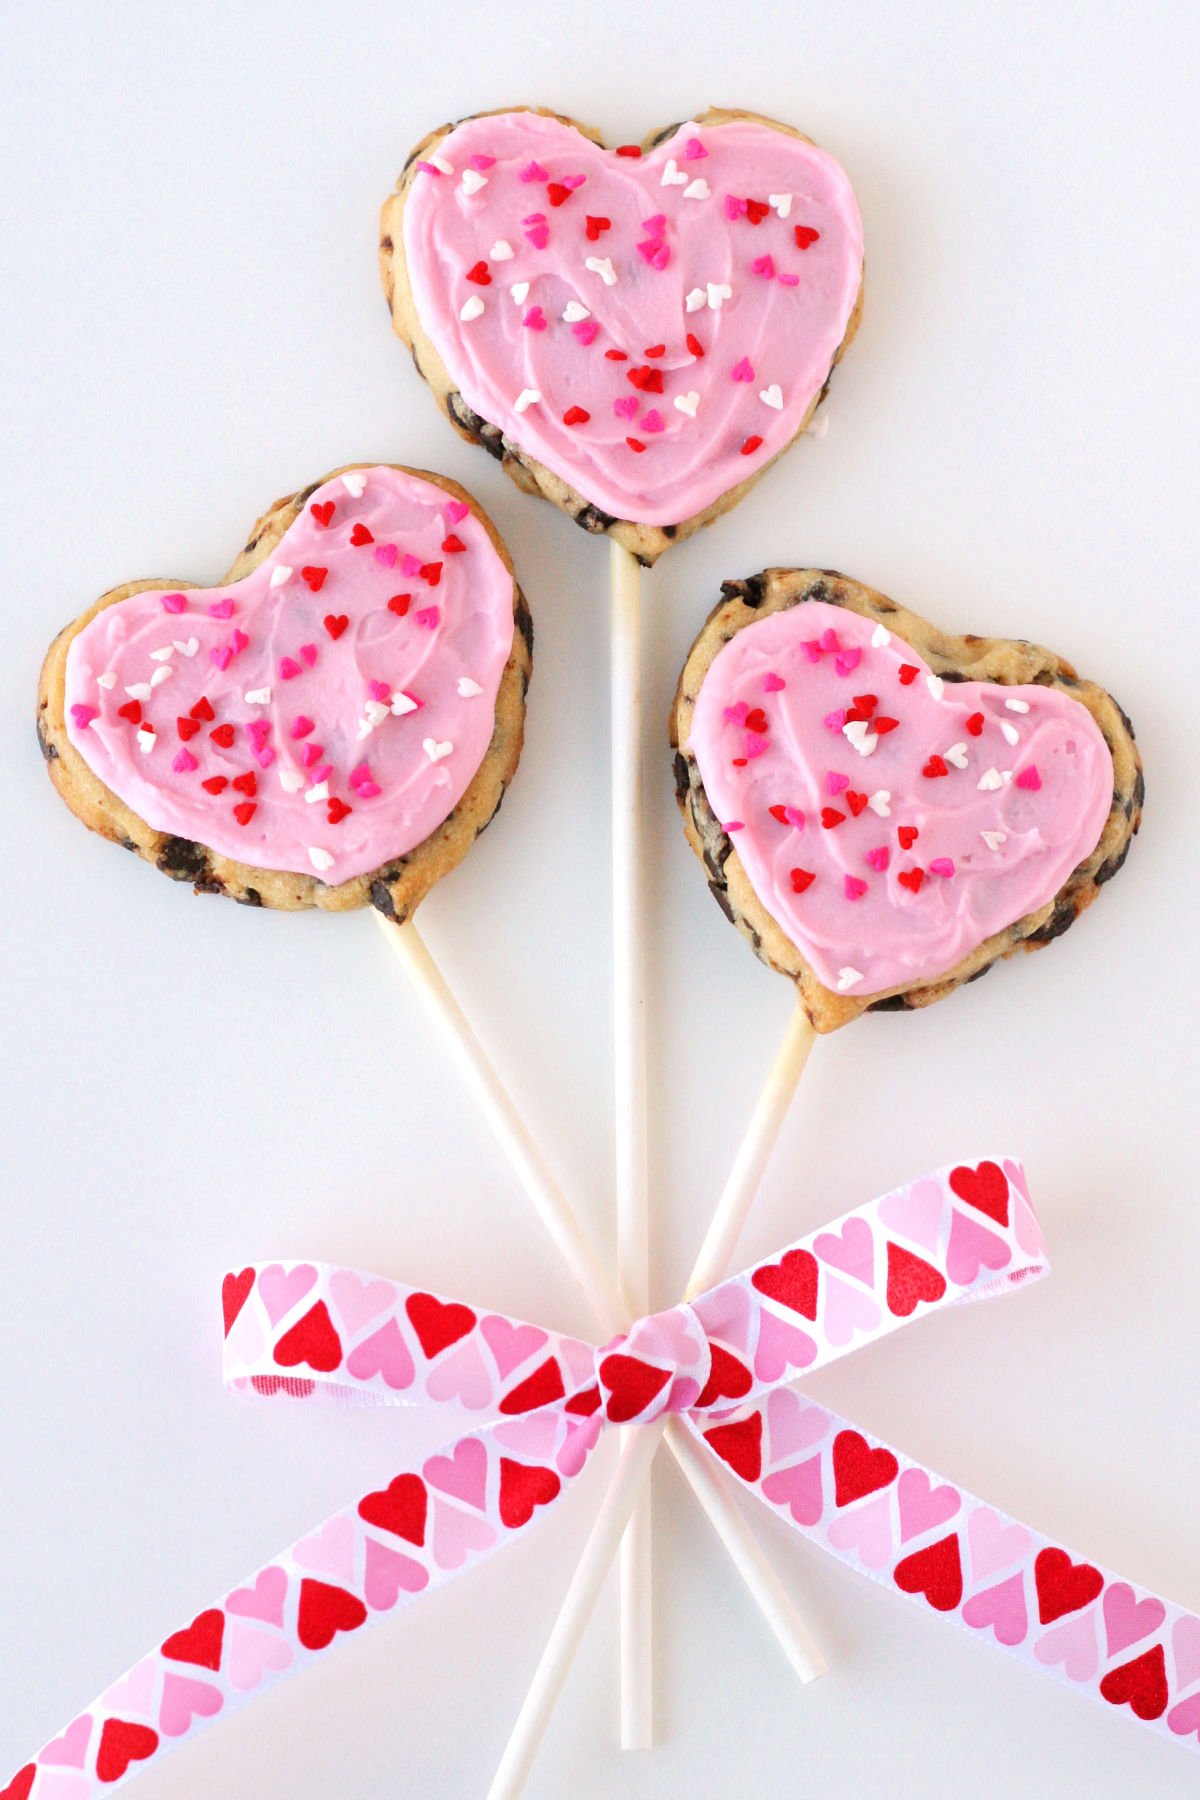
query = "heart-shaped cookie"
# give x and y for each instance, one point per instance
(335, 724)
(636, 332)
(885, 810)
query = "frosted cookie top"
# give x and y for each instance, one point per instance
(326, 713)
(887, 820)
(653, 328)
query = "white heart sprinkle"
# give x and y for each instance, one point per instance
(990, 780)
(279, 574)
(320, 859)
(687, 403)
(956, 754)
(161, 655)
(376, 711)
(526, 397)
(160, 675)
(290, 780)
(472, 181)
(467, 688)
(472, 309)
(847, 978)
(781, 202)
(936, 685)
(602, 266)
(696, 299)
(257, 696)
(574, 310)
(439, 162)
(354, 483)
(520, 292)
(880, 637)
(880, 803)
(146, 740)
(1017, 705)
(1006, 776)
(435, 751)
(501, 250)
(697, 190)
(673, 175)
(319, 792)
(139, 691)
(858, 732)
(717, 293)
(1011, 734)
(994, 839)
(403, 703)
(772, 396)
(106, 681)
(188, 649)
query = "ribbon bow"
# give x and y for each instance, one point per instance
(725, 1362)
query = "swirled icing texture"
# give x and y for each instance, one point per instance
(308, 727)
(498, 240)
(881, 873)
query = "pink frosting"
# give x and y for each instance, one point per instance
(498, 236)
(888, 852)
(341, 697)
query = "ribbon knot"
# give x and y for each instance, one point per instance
(726, 1362)
(660, 1365)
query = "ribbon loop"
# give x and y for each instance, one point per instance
(661, 1365)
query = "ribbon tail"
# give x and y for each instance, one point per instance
(420, 1531)
(924, 1537)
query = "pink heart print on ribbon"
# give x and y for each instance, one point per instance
(543, 1405)
(653, 328)
(890, 821)
(324, 714)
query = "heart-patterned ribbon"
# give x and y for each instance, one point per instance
(725, 1363)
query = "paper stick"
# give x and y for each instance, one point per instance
(629, 1092)
(506, 1122)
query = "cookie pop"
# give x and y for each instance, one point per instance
(635, 334)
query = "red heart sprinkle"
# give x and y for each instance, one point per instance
(805, 235)
(616, 356)
(245, 810)
(694, 345)
(132, 710)
(635, 444)
(480, 275)
(756, 720)
(830, 816)
(647, 380)
(655, 350)
(975, 724)
(801, 878)
(881, 725)
(335, 624)
(908, 835)
(399, 604)
(868, 702)
(739, 1445)
(558, 193)
(935, 1572)
(203, 710)
(247, 783)
(629, 150)
(222, 736)
(453, 545)
(595, 226)
(401, 1508)
(935, 767)
(322, 511)
(337, 810)
(324, 1611)
(432, 573)
(187, 728)
(779, 812)
(908, 674)
(855, 802)
(911, 879)
(216, 784)
(523, 1488)
(751, 445)
(756, 211)
(858, 1470)
(315, 577)
(360, 535)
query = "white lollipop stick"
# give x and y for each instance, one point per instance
(629, 1092)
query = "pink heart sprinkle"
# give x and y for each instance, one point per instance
(764, 265)
(1029, 778)
(258, 731)
(835, 783)
(174, 603)
(573, 181)
(223, 656)
(853, 888)
(221, 609)
(428, 168)
(735, 825)
(308, 654)
(846, 661)
(811, 649)
(322, 774)
(737, 714)
(386, 554)
(835, 720)
(626, 406)
(83, 716)
(302, 726)
(367, 790)
(828, 639)
(694, 149)
(652, 421)
(429, 616)
(312, 753)
(734, 208)
(456, 510)
(755, 745)
(773, 684)
(360, 773)
(656, 225)
(184, 762)
(794, 817)
(237, 640)
(409, 564)
(533, 171)
(539, 236)
(942, 865)
(879, 858)
(264, 757)
(743, 370)
(648, 250)
(379, 690)
(480, 163)
(535, 319)
(787, 279)
(289, 668)
(585, 330)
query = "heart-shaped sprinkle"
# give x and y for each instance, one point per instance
(1042, 824)
(795, 327)
(272, 825)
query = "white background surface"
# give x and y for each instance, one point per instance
(194, 327)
